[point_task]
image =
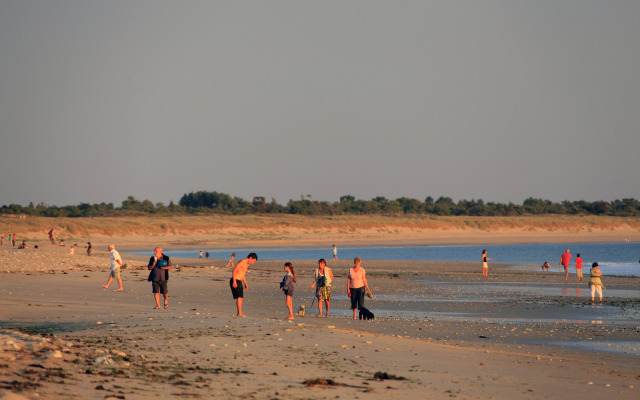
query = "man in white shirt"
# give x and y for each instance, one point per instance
(116, 263)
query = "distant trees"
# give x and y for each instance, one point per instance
(203, 202)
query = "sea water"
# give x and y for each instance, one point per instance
(613, 258)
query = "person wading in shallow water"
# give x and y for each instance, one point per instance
(356, 285)
(485, 266)
(564, 261)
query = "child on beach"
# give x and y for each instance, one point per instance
(233, 256)
(595, 282)
(546, 266)
(579, 267)
(287, 287)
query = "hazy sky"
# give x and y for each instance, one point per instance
(497, 100)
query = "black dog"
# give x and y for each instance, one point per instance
(366, 314)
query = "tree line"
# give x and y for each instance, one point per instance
(203, 202)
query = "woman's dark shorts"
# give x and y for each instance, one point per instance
(357, 298)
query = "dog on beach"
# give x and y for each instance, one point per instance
(301, 310)
(366, 314)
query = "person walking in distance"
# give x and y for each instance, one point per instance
(564, 261)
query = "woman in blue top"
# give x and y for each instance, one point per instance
(287, 287)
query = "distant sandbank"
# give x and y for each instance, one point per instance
(215, 231)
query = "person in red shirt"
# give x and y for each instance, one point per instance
(579, 267)
(564, 261)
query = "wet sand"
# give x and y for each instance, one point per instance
(441, 331)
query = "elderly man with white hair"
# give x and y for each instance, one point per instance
(116, 263)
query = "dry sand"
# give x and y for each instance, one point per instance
(441, 332)
(262, 231)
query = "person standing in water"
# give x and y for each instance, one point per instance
(564, 261)
(357, 286)
(485, 266)
(579, 267)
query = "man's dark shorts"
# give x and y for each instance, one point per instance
(239, 291)
(160, 287)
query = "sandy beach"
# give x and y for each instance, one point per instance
(440, 331)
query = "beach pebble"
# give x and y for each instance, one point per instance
(12, 396)
(10, 345)
(54, 354)
(103, 360)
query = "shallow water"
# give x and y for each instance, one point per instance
(614, 258)
(589, 317)
(472, 289)
(614, 347)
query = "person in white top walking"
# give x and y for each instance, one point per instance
(116, 263)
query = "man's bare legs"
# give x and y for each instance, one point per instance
(239, 307)
(109, 283)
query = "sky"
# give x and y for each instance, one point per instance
(492, 100)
